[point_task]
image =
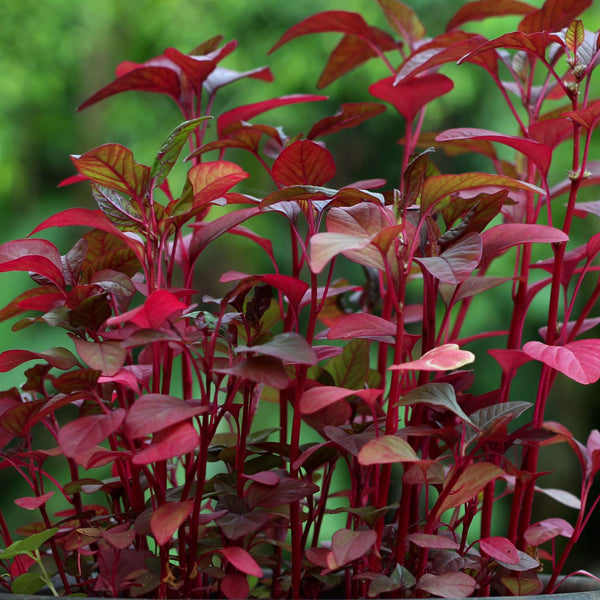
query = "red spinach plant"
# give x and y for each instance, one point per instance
(173, 488)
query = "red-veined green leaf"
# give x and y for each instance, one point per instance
(386, 449)
(210, 180)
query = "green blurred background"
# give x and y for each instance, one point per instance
(55, 54)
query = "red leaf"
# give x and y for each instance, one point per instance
(533, 43)
(483, 9)
(81, 435)
(403, 19)
(349, 115)
(442, 358)
(500, 548)
(33, 502)
(427, 540)
(235, 586)
(107, 357)
(167, 518)
(90, 218)
(386, 449)
(153, 412)
(304, 162)
(339, 21)
(157, 75)
(362, 325)
(554, 15)
(289, 347)
(318, 398)
(210, 180)
(262, 369)
(348, 546)
(242, 560)
(540, 154)
(113, 166)
(158, 307)
(587, 117)
(410, 96)
(457, 262)
(60, 358)
(177, 440)
(245, 113)
(551, 132)
(509, 360)
(324, 246)
(500, 238)
(579, 360)
(448, 585)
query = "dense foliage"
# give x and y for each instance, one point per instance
(162, 382)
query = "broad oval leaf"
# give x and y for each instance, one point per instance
(386, 449)
(289, 347)
(324, 246)
(320, 397)
(167, 518)
(81, 435)
(60, 358)
(107, 357)
(304, 163)
(177, 440)
(153, 412)
(500, 548)
(448, 585)
(348, 546)
(114, 167)
(578, 360)
(210, 180)
(428, 540)
(443, 358)
(546, 530)
(241, 559)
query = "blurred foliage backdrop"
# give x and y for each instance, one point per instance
(55, 54)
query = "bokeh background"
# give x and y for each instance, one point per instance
(55, 54)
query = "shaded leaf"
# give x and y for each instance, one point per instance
(235, 586)
(362, 325)
(349, 115)
(403, 20)
(320, 397)
(348, 546)
(469, 484)
(241, 559)
(428, 540)
(167, 518)
(261, 369)
(107, 357)
(289, 347)
(386, 449)
(447, 585)
(60, 358)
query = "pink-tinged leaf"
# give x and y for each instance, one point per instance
(540, 154)
(33, 502)
(553, 15)
(348, 546)
(578, 360)
(547, 530)
(508, 359)
(363, 325)
(484, 9)
(241, 559)
(500, 548)
(349, 115)
(587, 117)
(261, 369)
(167, 518)
(14, 249)
(500, 238)
(158, 307)
(124, 377)
(210, 180)
(448, 585)
(90, 218)
(427, 540)
(245, 113)
(339, 21)
(286, 491)
(324, 246)
(161, 78)
(265, 477)
(532, 43)
(438, 187)
(235, 586)
(60, 358)
(153, 412)
(289, 347)
(304, 163)
(442, 358)
(386, 449)
(561, 496)
(177, 440)
(403, 20)
(318, 398)
(470, 483)
(114, 167)
(410, 96)
(457, 262)
(81, 435)
(551, 132)
(107, 357)
(42, 298)
(441, 395)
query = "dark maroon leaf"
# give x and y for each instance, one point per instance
(348, 546)
(304, 162)
(286, 491)
(290, 347)
(245, 113)
(409, 97)
(261, 369)
(483, 9)
(235, 586)
(349, 115)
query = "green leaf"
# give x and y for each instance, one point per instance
(29, 544)
(435, 394)
(350, 368)
(118, 208)
(27, 583)
(171, 149)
